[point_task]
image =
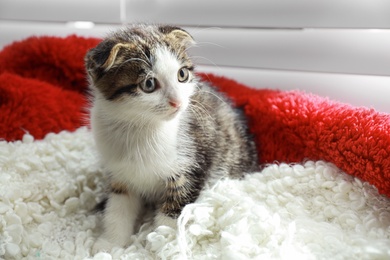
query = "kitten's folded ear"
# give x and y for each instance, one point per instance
(96, 57)
(177, 35)
(102, 58)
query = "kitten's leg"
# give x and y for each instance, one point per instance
(119, 219)
(179, 192)
(162, 219)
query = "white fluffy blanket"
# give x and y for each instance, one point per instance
(311, 211)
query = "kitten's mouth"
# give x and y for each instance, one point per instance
(175, 111)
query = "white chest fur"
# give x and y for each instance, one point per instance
(140, 157)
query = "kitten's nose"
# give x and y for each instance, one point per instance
(174, 103)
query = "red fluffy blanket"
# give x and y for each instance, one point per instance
(43, 89)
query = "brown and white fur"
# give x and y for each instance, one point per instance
(161, 132)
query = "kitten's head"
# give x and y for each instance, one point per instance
(142, 71)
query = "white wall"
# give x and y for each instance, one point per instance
(332, 48)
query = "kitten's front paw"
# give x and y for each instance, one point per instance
(102, 245)
(163, 220)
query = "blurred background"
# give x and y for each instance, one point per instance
(334, 48)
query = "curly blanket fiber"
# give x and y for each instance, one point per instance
(326, 207)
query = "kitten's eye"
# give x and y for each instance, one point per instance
(149, 85)
(183, 75)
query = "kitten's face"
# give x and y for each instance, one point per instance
(143, 73)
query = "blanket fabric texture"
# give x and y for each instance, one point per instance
(331, 203)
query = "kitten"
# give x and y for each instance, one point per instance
(163, 134)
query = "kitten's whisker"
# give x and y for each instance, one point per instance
(197, 112)
(200, 112)
(202, 44)
(151, 142)
(215, 95)
(210, 61)
(135, 59)
(144, 54)
(130, 60)
(201, 29)
(149, 74)
(201, 106)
